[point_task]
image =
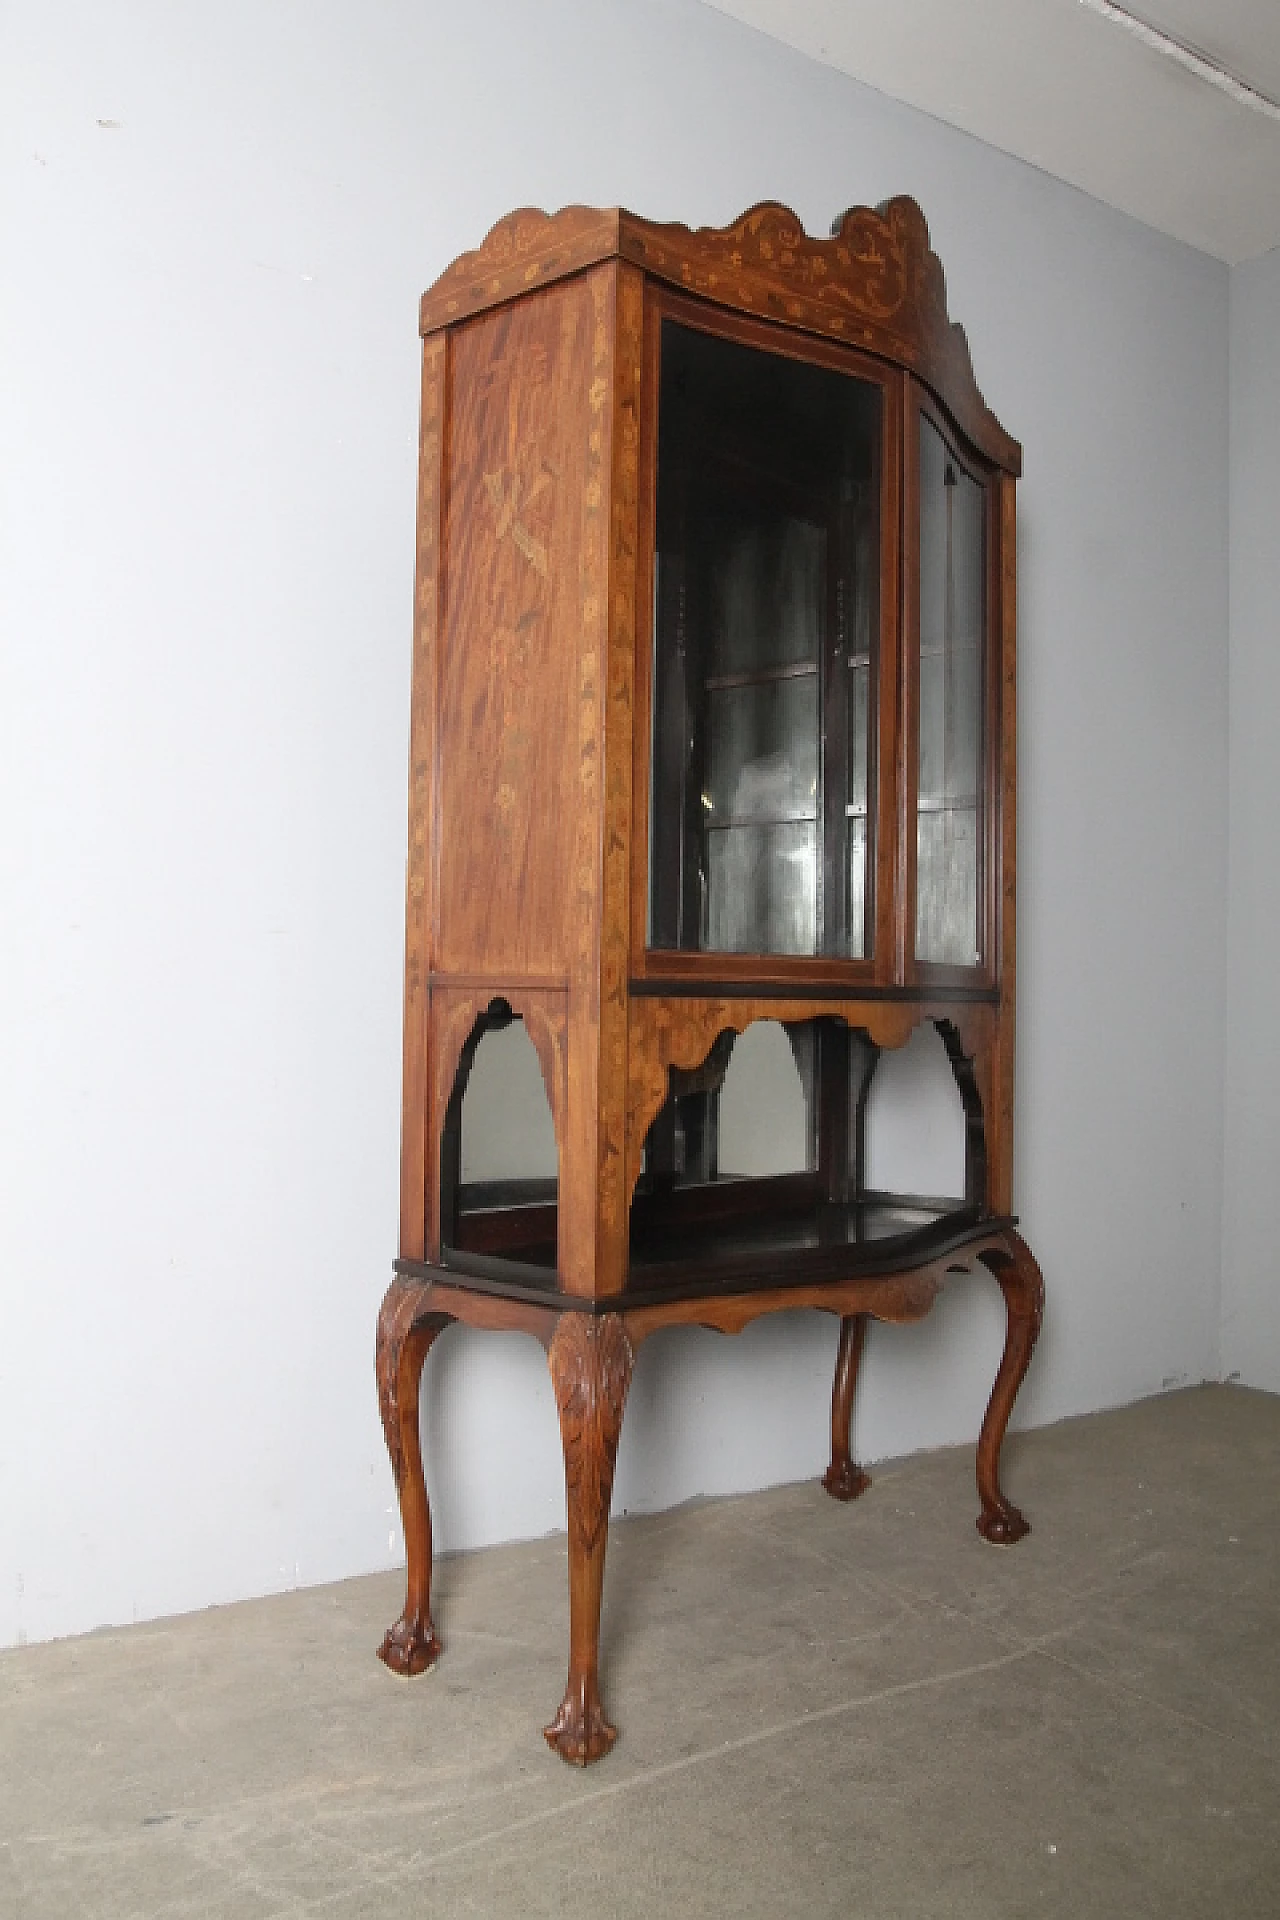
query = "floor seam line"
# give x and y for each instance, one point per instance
(1042, 1645)
(668, 1769)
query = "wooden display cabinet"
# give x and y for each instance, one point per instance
(713, 722)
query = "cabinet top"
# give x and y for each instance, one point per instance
(876, 284)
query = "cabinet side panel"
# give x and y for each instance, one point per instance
(594, 1009)
(624, 539)
(417, 955)
(520, 423)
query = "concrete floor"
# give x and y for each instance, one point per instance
(823, 1710)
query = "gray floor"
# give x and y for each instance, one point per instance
(824, 1710)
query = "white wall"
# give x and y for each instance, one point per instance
(218, 222)
(1251, 1257)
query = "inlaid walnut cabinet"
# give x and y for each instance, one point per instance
(713, 723)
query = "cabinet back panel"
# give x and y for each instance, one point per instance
(523, 440)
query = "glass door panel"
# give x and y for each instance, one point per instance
(762, 889)
(766, 573)
(764, 580)
(766, 597)
(951, 666)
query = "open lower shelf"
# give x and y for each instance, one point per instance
(730, 1237)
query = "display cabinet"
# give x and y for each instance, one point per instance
(712, 723)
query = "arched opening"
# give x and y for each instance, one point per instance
(498, 1159)
(767, 1118)
(736, 1143)
(918, 1156)
(746, 1110)
(804, 1136)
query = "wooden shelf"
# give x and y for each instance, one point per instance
(734, 1236)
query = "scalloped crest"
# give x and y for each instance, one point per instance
(876, 283)
(523, 250)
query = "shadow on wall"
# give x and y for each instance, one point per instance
(915, 1120)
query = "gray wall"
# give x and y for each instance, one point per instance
(1251, 1260)
(218, 224)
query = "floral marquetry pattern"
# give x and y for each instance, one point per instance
(630, 552)
(526, 249)
(421, 807)
(875, 283)
(679, 1032)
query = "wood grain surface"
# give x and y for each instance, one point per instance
(531, 820)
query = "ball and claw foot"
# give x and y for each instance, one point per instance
(1003, 1526)
(409, 1647)
(580, 1733)
(845, 1480)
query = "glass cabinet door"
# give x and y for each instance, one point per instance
(951, 670)
(766, 614)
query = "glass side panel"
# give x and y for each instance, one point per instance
(856, 801)
(952, 628)
(766, 597)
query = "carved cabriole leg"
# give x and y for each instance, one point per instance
(844, 1479)
(1023, 1289)
(591, 1360)
(406, 1329)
